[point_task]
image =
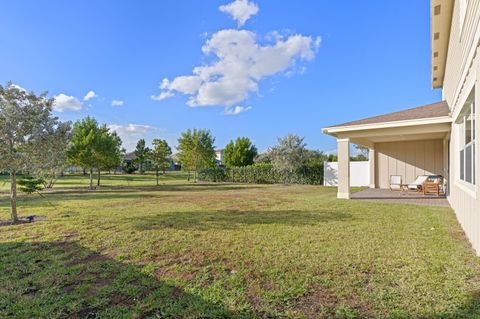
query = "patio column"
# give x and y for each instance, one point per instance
(343, 150)
(371, 160)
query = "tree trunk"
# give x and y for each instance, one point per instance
(13, 195)
(84, 171)
(98, 177)
(156, 172)
(91, 178)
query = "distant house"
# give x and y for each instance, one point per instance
(129, 159)
(175, 164)
(220, 156)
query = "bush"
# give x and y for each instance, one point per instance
(263, 174)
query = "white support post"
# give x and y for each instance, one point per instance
(343, 149)
(371, 160)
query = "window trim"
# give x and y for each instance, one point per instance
(470, 111)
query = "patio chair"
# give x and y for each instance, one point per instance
(417, 185)
(395, 182)
(434, 184)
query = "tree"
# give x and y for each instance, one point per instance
(94, 146)
(289, 155)
(196, 150)
(263, 158)
(26, 124)
(240, 153)
(141, 155)
(160, 156)
(363, 151)
(51, 160)
(108, 151)
(84, 142)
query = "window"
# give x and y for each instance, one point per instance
(467, 141)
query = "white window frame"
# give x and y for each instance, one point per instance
(469, 110)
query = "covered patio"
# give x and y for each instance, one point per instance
(408, 143)
(389, 196)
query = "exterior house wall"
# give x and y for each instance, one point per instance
(408, 159)
(462, 68)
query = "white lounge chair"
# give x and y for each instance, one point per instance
(395, 182)
(418, 183)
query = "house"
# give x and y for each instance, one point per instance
(220, 156)
(440, 138)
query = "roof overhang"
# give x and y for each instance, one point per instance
(440, 23)
(369, 134)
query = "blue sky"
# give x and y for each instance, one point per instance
(373, 58)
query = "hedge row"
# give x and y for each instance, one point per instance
(263, 174)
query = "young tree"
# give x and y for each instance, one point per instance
(51, 160)
(141, 155)
(196, 150)
(160, 156)
(108, 151)
(240, 153)
(26, 124)
(289, 155)
(82, 151)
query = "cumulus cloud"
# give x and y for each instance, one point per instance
(162, 96)
(90, 95)
(239, 63)
(66, 102)
(240, 10)
(236, 110)
(117, 103)
(131, 133)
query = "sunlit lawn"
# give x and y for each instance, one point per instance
(184, 250)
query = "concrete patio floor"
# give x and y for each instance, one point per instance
(402, 197)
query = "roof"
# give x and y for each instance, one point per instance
(129, 156)
(440, 23)
(439, 109)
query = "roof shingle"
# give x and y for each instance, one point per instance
(438, 109)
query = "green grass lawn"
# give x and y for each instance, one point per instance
(183, 250)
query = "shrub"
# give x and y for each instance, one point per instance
(263, 174)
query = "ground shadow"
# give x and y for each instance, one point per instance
(202, 220)
(124, 192)
(66, 280)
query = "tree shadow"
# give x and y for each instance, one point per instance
(202, 220)
(123, 192)
(66, 280)
(469, 310)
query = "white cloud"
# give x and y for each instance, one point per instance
(131, 133)
(90, 95)
(236, 110)
(240, 10)
(240, 62)
(117, 103)
(162, 96)
(65, 102)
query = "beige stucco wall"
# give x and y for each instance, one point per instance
(461, 77)
(408, 159)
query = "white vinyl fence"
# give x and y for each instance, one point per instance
(359, 173)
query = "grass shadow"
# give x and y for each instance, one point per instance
(235, 218)
(66, 280)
